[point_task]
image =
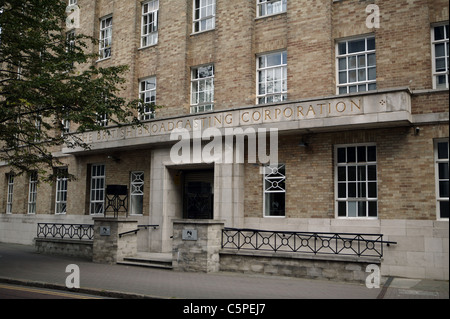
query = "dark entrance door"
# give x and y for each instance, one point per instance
(199, 194)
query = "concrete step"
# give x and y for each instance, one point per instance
(153, 260)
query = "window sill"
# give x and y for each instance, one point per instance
(147, 46)
(201, 32)
(356, 218)
(274, 216)
(104, 59)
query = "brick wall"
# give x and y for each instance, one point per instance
(308, 31)
(405, 171)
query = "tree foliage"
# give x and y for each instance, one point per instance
(48, 78)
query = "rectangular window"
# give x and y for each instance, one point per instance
(147, 93)
(9, 193)
(32, 192)
(439, 38)
(268, 7)
(102, 119)
(70, 41)
(356, 65)
(202, 89)
(356, 181)
(65, 126)
(204, 15)
(97, 202)
(149, 35)
(61, 191)
(274, 190)
(136, 193)
(105, 38)
(441, 151)
(272, 77)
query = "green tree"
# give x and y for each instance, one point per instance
(47, 78)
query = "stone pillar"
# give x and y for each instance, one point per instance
(108, 246)
(196, 244)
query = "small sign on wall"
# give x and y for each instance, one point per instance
(189, 234)
(105, 231)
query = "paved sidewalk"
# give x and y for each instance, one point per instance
(21, 264)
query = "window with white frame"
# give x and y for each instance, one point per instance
(105, 39)
(70, 40)
(356, 181)
(272, 77)
(97, 200)
(269, 7)
(61, 191)
(136, 193)
(204, 15)
(149, 34)
(38, 127)
(32, 192)
(147, 93)
(9, 193)
(65, 126)
(102, 119)
(202, 89)
(274, 190)
(356, 65)
(441, 151)
(439, 38)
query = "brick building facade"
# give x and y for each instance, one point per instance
(361, 114)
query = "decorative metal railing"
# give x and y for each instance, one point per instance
(305, 242)
(72, 231)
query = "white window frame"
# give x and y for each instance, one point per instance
(65, 125)
(202, 89)
(105, 37)
(438, 179)
(434, 42)
(362, 182)
(102, 120)
(61, 194)
(203, 15)
(9, 193)
(274, 186)
(367, 55)
(97, 189)
(270, 7)
(149, 30)
(275, 90)
(70, 40)
(147, 93)
(32, 192)
(136, 190)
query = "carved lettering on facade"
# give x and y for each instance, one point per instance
(234, 118)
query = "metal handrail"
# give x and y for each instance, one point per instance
(148, 226)
(305, 242)
(129, 232)
(137, 229)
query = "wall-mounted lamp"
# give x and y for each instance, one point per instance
(303, 144)
(114, 158)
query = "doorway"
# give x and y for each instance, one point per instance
(198, 194)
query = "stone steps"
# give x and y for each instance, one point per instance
(152, 260)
